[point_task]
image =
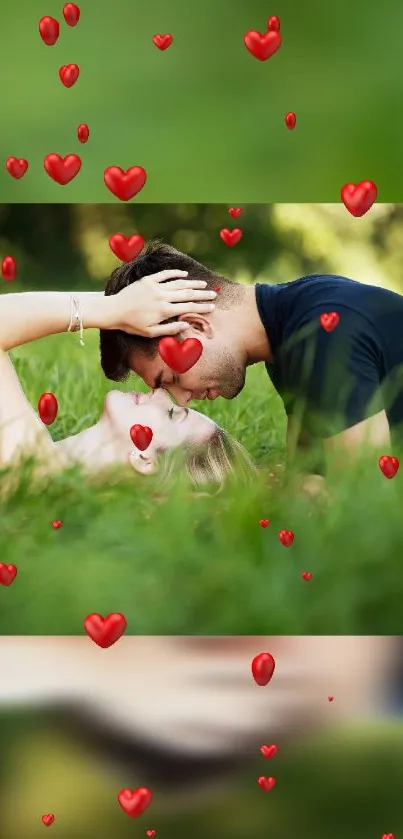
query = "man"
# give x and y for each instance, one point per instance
(341, 387)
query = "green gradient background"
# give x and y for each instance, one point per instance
(205, 118)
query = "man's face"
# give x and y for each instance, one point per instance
(217, 373)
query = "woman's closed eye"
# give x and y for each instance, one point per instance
(178, 414)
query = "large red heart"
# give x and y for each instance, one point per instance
(263, 46)
(135, 801)
(180, 356)
(141, 436)
(126, 247)
(16, 168)
(8, 573)
(62, 169)
(359, 198)
(105, 631)
(125, 185)
(266, 784)
(49, 30)
(263, 668)
(162, 41)
(269, 751)
(47, 408)
(48, 819)
(329, 321)
(69, 74)
(71, 14)
(231, 237)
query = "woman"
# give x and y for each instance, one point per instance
(138, 309)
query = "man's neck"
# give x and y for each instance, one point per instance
(249, 329)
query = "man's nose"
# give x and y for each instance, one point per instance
(181, 396)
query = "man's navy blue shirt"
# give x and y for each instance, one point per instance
(334, 380)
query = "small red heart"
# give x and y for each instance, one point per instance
(231, 237)
(290, 120)
(266, 784)
(69, 74)
(269, 751)
(273, 24)
(359, 198)
(286, 538)
(141, 436)
(8, 573)
(388, 465)
(135, 801)
(388, 836)
(83, 133)
(330, 698)
(216, 289)
(9, 268)
(16, 167)
(263, 666)
(125, 185)
(162, 41)
(71, 14)
(126, 248)
(180, 356)
(235, 211)
(306, 575)
(329, 321)
(47, 408)
(105, 631)
(48, 819)
(49, 30)
(264, 522)
(57, 524)
(150, 833)
(262, 46)
(62, 169)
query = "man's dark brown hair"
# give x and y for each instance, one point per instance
(115, 345)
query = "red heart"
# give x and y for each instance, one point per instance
(388, 465)
(290, 120)
(105, 631)
(9, 268)
(71, 14)
(273, 24)
(262, 46)
(359, 198)
(135, 801)
(329, 321)
(69, 74)
(306, 575)
(150, 832)
(125, 185)
(162, 41)
(231, 237)
(330, 698)
(286, 538)
(180, 356)
(62, 169)
(266, 784)
(269, 751)
(16, 168)
(83, 132)
(57, 524)
(263, 668)
(141, 436)
(49, 30)
(126, 247)
(8, 573)
(48, 819)
(264, 522)
(47, 408)
(235, 212)
(388, 836)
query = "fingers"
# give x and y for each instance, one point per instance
(162, 276)
(168, 329)
(183, 284)
(188, 294)
(176, 309)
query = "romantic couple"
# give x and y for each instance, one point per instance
(341, 387)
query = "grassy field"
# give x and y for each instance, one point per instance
(186, 565)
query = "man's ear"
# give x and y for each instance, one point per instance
(200, 323)
(145, 465)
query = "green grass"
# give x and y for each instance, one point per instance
(182, 564)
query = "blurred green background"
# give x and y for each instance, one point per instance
(205, 118)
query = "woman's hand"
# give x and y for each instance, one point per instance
(140, 308)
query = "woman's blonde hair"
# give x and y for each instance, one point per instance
(214, 461)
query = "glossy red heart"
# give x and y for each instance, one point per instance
(269, 751)
(180, 356)
(286, 538)
(290, 120)
(105, 631)
(150, 833)
(141, 436)
(388, 465)
(266, 784)
(231, 237)
(48, 819)
(47, 408)
(83, 133)
(71, 14)
(262, 46)
(9, 269)
(329, 321)
(69, 74)
(264, 522)
(126, 248)
(359, 198)
(16, 167)
(57, 524)
(273, 24)
(235, 212)
(306, 575)
(263, 666)
(62, 169)
(388, 836)
(125, 185)
(330, 698)
(49, 30)
(8, 573)
(162, 41)
(135, 801)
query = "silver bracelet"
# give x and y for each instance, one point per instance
(76, 318)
